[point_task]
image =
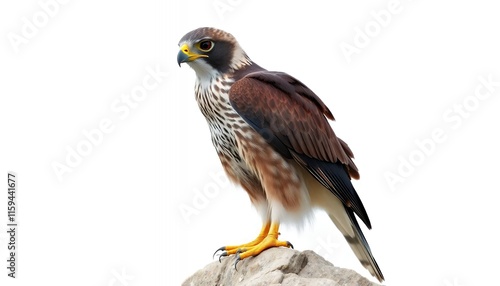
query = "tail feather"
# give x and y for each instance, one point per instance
(357, 242)
(344, 218)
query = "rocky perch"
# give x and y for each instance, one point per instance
(277, 266)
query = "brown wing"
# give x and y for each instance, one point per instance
(291, 118)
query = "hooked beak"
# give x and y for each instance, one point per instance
(185, 55)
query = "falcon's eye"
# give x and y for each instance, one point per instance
(206, 45)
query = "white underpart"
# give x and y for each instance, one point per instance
(262, 209)
(205, 73)
(298, 217)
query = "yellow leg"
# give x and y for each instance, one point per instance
(271, 240)
(267, 238)
(232, 249)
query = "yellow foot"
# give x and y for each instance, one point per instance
(267, 238)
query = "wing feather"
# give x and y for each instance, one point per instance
(293, 120)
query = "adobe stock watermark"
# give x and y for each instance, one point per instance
(120, 278)
(31, 26)
(221, 7)
(363, 36)
(121, 107)
(202, 196)
(453, 118)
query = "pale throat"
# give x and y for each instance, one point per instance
(205, 73)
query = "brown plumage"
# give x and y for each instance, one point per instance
(272, 135)
(294, 112)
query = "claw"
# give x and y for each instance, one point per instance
(222, 254)
(236, 262)
(220, 249)
(267, 238)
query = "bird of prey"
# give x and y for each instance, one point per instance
(272, 136)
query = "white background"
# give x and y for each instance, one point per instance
(118, 212)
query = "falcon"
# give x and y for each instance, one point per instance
(272, 136)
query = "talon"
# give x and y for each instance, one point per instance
(267, 238)
(236, 262)
(220, 249)
(222, 254)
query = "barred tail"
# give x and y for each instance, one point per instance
(356, 240)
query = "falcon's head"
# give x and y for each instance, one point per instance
(211, 51)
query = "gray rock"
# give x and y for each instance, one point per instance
(277, 266)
